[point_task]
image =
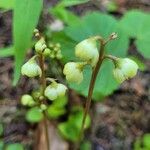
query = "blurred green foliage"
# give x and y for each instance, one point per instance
(136, 25)
(142, 143)
(7, 4)
(70, 129)
(57, 108)
(15, 146)
(1, 129)
(34, 115)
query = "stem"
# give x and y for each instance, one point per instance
(43, 79)
(43, 86)
(113, 58)
(91, 87)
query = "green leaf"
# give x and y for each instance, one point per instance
(6, 51)
(66, 3)
(57, 108)
(141, 65)
(71, 128)
(15, 146)
(136, 24)
(95, 24)
(25, 19)
(34, 115)
(86, 145)
(63, 14)
(54, 111)
(7, 4)
(1, 144)
(146, 140)
(60, 102)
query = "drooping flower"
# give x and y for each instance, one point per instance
(55, 90)
(125, 69)
(31, 69)
(73, 72)
(87, 50)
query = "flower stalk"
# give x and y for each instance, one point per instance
(92, 84)
(43, 86)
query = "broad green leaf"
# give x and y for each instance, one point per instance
(136, 24)
(95, 24)
(7, 4)
(25, 19)
(15, 146)
(34, 115)
(6, 52)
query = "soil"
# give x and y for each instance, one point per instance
(117, 122)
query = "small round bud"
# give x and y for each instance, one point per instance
(55, 90)
(40, 45)
(87, 51)
(125, 69)
(51, 45)
(59, 56)
(73, 72)
(36, 94)
(47, 52)
(27, 100)
(58, 45)
(43, 107)
(56, 49)
(31, 69)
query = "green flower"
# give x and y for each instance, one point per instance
(55, 90)
(87, 51)
(73, 72)
(31, 69)
(125, 69)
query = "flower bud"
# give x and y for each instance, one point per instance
(47, 52)
(125, 69)
(61, 90)
(87, 51)
(27, 100)
(55, 90)
(43, 107)
(31, 69)
(40, 45)
(73, 72)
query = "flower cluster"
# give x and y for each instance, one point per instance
(87, 52)
(32, 69)
(55, 50)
